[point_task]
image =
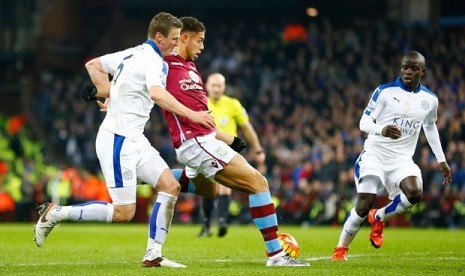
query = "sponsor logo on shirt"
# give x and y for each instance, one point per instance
(406, 126)
(189, 84)
(194, 76)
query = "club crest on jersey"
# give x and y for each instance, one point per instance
(127, 174)
(194, 76)
(425, 105)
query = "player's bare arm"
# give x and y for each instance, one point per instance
(223, 136)
(98, 77)
(166, 101)
(446, 172)
(252, 138)
(391, 131)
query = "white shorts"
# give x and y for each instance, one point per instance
(205, 155)
(390, 171)
(123, 161)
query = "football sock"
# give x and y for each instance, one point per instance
(223, 208)
(161, 217)
(350, 228)
(264, 216)
(89, 211)
(207, 207)
(398, 205)
(186, 185)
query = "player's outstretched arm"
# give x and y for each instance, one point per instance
(98, 77)
(252, 138)
(446, 172)
(236, 143)
(368, 125)
(225, 137)
(432, 136)
(166, 101)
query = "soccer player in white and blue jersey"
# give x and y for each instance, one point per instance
(393, 119)
(125, 154)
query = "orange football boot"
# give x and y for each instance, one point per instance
(340, 253)
(377, 226)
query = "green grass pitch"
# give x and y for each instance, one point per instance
(117, 249)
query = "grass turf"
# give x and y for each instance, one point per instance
(117, 249)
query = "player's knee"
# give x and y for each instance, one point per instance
(364, 204)
(362, 210)
(261, 184)
(123, 213)
(211, 192)
(169, 186)
(414, 196)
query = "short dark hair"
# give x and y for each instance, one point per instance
(415, 55)
(192, 25)
(162, 23)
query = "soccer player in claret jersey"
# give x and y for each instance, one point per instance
(229, 115)
(393, 120)
(125, 154)
(208, 158)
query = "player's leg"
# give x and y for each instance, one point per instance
(224, 199)
(208, 202)
(367, 188)
(202, 186)
(404, 185)
(240, 175)
(154, 170)
(208, 205)
(411, 192)
(122, 191)
(215, 159)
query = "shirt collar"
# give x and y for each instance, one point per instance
(154, 46)
(406, 88)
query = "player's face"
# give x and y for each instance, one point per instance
(168, 43)
(194, 45)
(411, 71)
(215, 87)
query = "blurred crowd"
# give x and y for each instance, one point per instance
(305, 87)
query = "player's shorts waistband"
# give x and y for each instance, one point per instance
(200, 138)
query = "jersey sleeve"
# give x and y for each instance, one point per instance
(156, 73)
(375, 105)
(432, 116)
(110, 62)
(240, 114)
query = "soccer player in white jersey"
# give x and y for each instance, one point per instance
(393, 119)
(139, 80)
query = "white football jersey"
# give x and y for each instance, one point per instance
(134, 71)
(396, 104)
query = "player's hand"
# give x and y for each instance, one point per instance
(238, 144)
(445, 169)
(391, 131)
(103, 105)
(89, 93)
(204, 118)
(259, 157)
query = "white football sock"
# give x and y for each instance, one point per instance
(90, 211)
(398, 205)
(160, 222)
(350, 229)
